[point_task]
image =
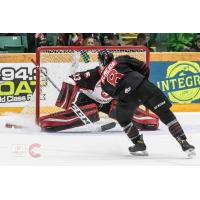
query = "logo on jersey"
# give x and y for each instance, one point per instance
(98, 94)
(127, 90)
(182, 82)
(111, 75)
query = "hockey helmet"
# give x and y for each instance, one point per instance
(105, 57)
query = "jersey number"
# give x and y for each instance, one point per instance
(113, 77)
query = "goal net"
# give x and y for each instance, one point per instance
(56, 63)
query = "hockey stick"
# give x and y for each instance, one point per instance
(78, 111)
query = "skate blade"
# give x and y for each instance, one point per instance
(139, 153)
(190, 153)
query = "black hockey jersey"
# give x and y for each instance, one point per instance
(124, 72)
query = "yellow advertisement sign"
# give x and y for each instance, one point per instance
(189, 89)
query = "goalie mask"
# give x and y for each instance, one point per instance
(105, 57)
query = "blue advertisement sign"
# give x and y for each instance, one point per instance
(180, 81)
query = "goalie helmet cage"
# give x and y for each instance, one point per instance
(57, 62)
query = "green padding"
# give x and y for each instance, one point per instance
(10, 41)
(52, 39)
(25, 42)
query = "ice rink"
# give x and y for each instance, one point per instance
(29, 146)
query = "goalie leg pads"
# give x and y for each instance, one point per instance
(141, 119)
(67, 95)
(68, 119)
(145, 120)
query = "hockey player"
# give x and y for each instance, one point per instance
(125, 78)
(91, 101)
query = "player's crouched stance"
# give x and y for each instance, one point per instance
(124, 78)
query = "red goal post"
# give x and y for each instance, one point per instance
(58, 62)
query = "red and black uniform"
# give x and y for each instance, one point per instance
(126, 79)
(122, 72)
(67, 119)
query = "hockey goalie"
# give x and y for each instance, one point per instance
(84, 89)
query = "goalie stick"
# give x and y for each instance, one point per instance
(79, 112)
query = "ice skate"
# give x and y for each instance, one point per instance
(139, 149)
(188, 149)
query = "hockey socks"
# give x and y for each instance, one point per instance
(131, 131)
(176, 130)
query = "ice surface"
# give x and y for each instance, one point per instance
(29, 146)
